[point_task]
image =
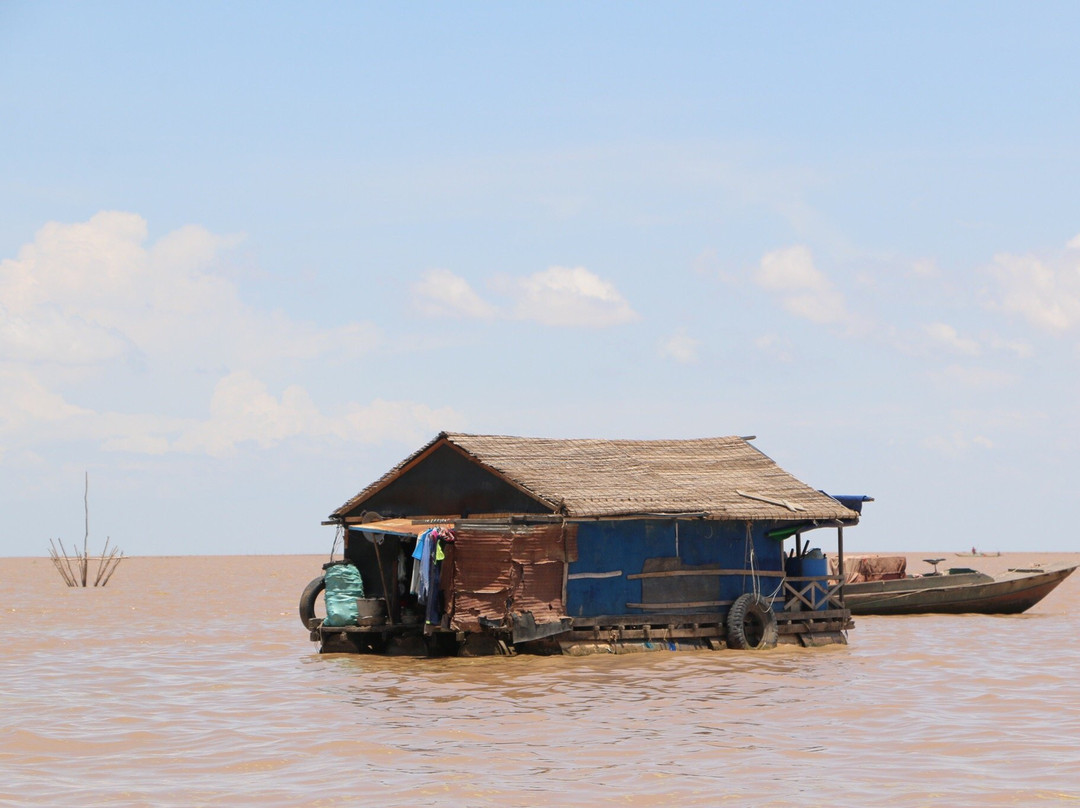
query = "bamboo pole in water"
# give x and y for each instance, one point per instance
(72, 569)
(75, 569)
(65, 573)
(104, 561)
(115, 561)
(86, 535)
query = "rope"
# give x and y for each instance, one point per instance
(338, 535)
(775, 592)
(750, 557)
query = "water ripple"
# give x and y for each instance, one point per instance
(181, 693)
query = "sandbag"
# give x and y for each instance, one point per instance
(343, 586)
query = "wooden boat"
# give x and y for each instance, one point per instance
(966, 592)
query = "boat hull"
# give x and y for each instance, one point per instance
(1012, 593)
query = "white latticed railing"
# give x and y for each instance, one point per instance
(812, 593)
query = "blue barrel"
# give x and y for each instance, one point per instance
(814, 567)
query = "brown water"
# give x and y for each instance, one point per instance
(190, 681)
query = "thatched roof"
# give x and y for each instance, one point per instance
(725, 478)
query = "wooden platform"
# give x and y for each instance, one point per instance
(603, 634)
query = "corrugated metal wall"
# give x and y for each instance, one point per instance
(499, 569)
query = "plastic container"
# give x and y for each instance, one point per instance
(812, 565)
(370, 611)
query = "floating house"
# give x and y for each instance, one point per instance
(483, 544)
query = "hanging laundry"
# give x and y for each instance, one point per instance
(417, 555)
(442, 538)
(433, 611)
(425, 564)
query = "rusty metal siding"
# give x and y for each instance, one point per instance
(541, 591)
(500, 569)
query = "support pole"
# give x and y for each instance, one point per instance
(840, 559)
(382, 578)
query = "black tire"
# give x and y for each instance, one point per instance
(308, 599)
(751, 624)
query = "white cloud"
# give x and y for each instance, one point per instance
(804, 291)
(440, 292)
(967, 376)
(557, 296)
(242, 410)
(1046, 293)
(83, 300)
(31, 414)
(92, 292)
(135, 443)
(562, 296)
(49, 334)
(774, 346)
(1074, 242)
(681, 347)
(925, 268)
(24, 400)
(947, 337)
(404, 421)
(1015, 347)
(956, 443)
(706, 262)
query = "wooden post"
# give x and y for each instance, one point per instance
(393, 609)
(382, 578)
(840, 558)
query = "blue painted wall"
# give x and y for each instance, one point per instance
(624, 545)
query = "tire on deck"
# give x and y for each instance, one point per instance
(308, 599)
(751, 624)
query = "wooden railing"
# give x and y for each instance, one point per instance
(812, 593)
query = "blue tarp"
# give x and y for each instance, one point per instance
(343, 587)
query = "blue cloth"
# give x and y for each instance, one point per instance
(432, 614)
(425, 565)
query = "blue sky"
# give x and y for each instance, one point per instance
(253, 254)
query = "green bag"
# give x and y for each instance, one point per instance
(343, 587)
